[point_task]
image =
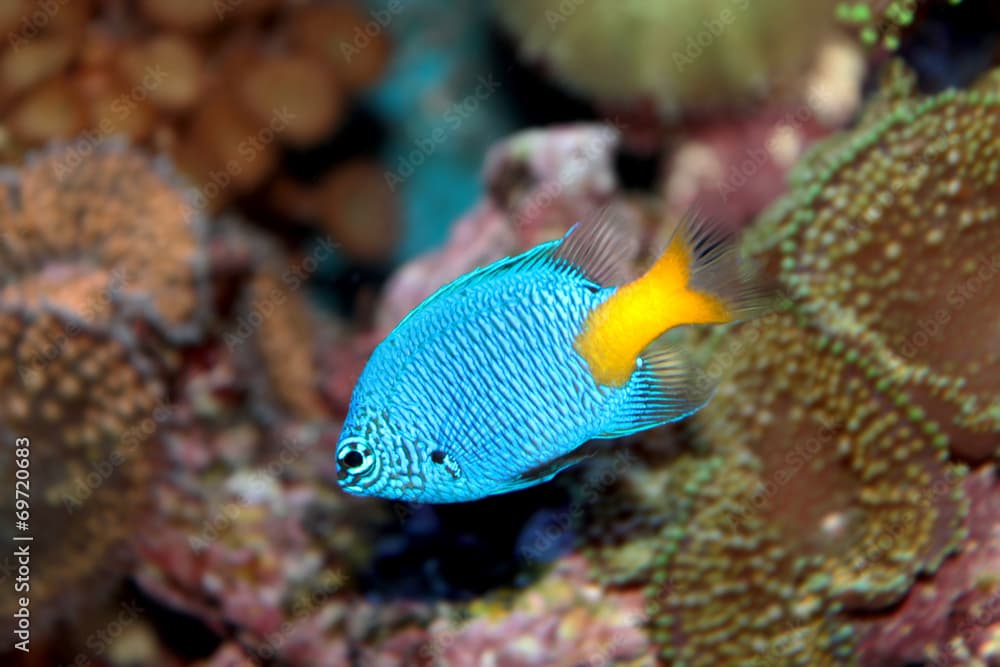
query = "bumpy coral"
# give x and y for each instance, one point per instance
(90, 414)
(890, 237)
(284, 339)
(677, 55)
(954, 618)
(832, 494)
(827, 486)
(99, 234)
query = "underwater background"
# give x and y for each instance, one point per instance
(212, 211)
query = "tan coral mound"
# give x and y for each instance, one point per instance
(90, 414)
(102, 233)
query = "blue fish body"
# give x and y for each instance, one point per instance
(481, 390)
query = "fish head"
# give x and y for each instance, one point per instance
(388, 458)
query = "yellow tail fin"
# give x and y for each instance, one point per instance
(697, 280)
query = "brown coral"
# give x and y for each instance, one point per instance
(897, 248)
(142, 69)
(832, 493)
(90, 413)
(283, 337)
(829, 487)
(94, 227)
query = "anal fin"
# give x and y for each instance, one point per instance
(666, 387)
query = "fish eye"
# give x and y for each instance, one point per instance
(437, 456)
(356, 461)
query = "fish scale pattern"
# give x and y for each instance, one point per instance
(488, 360)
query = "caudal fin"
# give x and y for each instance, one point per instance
(699, 279)
(704, 259)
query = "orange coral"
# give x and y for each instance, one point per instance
(110, 227)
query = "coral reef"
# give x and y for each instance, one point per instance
(826, 486)
(898, 250)
(678, 56)
(954, 618)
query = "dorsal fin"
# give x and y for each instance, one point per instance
(598, 249)
(600, 246)
(534, 258)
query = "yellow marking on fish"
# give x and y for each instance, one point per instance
(617, 331)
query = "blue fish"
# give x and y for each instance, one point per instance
(497, 380)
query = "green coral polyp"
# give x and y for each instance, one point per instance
(830, 504)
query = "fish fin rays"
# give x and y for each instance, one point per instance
(546, 471)
(717, 268)
(536, 257)
(667, 387)
(600, 247)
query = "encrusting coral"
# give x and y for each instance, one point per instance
(889, 238)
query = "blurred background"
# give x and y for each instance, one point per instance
(212, 210)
